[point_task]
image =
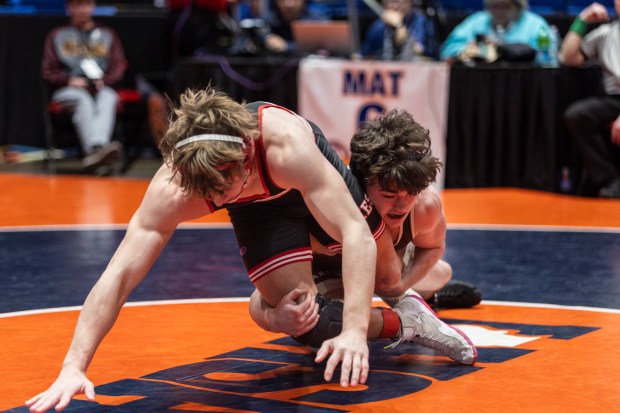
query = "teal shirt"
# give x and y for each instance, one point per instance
(523, 30)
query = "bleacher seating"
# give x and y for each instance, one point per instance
(335, 8)
(543, 7)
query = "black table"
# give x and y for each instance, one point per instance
(506, 126)
(249, 78)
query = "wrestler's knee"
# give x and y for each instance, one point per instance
(445, 271)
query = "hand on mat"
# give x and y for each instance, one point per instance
(350, 348)
(70, 382)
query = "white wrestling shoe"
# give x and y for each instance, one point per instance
(420, 325)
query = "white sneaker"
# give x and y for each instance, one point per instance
(420, 325)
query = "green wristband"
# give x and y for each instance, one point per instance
(579, 26)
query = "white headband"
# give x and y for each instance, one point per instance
(210, 137)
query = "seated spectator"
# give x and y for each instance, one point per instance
(203, 27)
(594, 122)
(501, 21)
(278, 37)
(403, 32)
(82, 62)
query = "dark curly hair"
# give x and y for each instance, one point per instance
(394, 151)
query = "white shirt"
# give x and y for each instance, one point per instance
(603, 44)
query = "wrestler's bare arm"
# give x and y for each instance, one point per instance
(164, 206)
(429, 234)
(389, 279)
(295, 314)
(429, 223)
(296, 162)
(162, 209)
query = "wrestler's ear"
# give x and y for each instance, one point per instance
(248, 151)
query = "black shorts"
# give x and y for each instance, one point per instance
(276, 233)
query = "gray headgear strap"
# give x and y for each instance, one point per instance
(210, 137)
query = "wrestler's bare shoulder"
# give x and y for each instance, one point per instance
(165, 185)
(166, 199)
(282, 128)
(428, 201)
(428, 208)
(429, 220)
(287, 138)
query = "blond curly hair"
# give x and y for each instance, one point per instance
(207, 168)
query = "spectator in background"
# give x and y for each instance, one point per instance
(269, 29)
(501, 21)
(279, 36)
(594, 122)
(203, 27)
(403, 32)
(82, 63)
(251, 9)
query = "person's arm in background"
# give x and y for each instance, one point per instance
(55, 73)
(570, 52)
(462, 35)
(117, 63)
(373, 40)
(276, 43)
(426, 35)
(615, 131)
(52, 70)
(395, 19)
(422, 32)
